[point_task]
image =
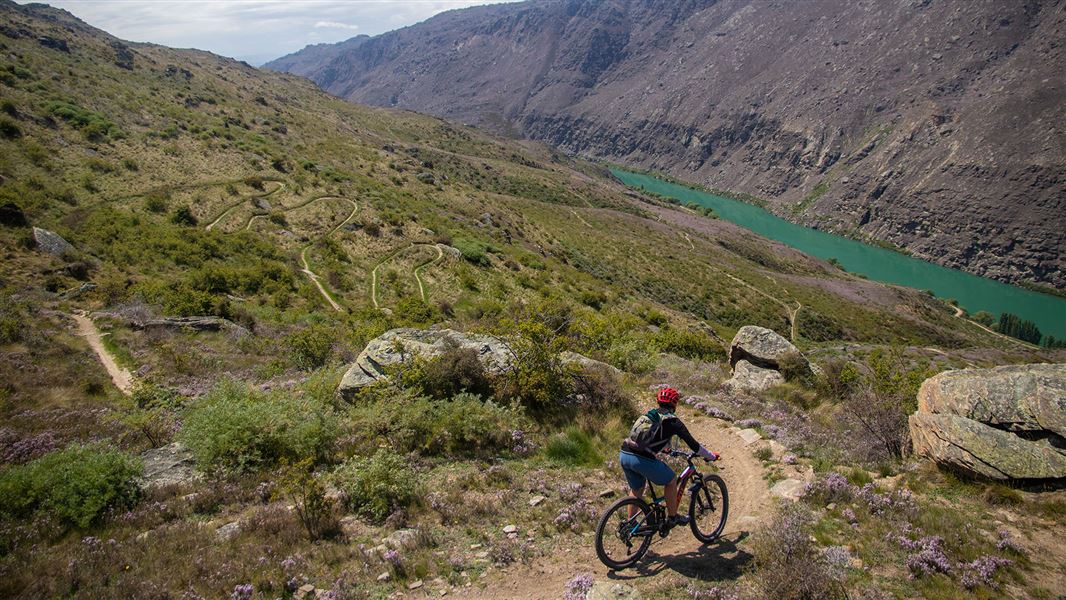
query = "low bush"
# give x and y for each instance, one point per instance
(311, 347)
(235, 429)
(690, 344)
(789, 564)
(377, 486)
(76, 485)
(316, 511)
(574, 447)
(464, 425)
(473, 251)
(454, 371)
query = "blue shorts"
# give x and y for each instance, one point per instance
(640, 469)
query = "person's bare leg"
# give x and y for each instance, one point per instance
(671, 498)
(635, 494)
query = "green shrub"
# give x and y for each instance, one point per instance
(315, 509)
(473, 251)
(413, 311)
(377, 486)
(574, 447)
(453, 371)
(76, 485)
(156, 203)
(463, 426)
(9, 129)
(184, 216)
(310, 347)
(235, 429)
(92, 125)
(796, 369)
(690, 344)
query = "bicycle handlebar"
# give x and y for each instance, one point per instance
(688, 456)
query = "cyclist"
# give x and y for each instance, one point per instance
(651, 434)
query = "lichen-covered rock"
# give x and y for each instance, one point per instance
(961, 443)
(1014, 397)
(168, 465)
(50, 242)
(760, 346)
(749, 378)
(400, 345)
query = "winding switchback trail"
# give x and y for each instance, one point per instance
(228, 209)
(416, 271)
(306, 266)
(793, 313)
(120, 376)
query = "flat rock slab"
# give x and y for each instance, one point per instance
(789, 489)
(750, 436)
(172, 464)
(50, 241)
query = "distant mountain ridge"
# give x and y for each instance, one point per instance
(932, 125)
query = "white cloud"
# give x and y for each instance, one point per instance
(253, 29)
(334, 25)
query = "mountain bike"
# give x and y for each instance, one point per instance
(622, 540)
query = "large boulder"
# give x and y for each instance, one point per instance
(400, 345)
(1001, 423)
(760, 346)
(749, 378)
(965, 444)
(1014, 397)
(50, 242)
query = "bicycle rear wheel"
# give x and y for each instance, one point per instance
(622, 540)
(708, 509)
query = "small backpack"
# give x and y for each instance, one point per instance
(646, 428)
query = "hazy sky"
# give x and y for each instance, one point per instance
(252, 30)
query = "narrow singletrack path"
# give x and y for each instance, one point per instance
(580, 218)
(306, 266)
(791, 312)
(750, 507)
(120, 376)
(228, 209)
(416, 271)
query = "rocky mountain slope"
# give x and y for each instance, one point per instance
(932, 125)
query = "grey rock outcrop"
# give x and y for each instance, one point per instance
(760, 346)
(50, 242)
(748, 377)
(401, 345)
(756, 355)
(1002, 423)
(172, 464)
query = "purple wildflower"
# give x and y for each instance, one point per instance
(1007, 543)
(242, 591)
(711, 593)
(578, 587)
(982, 571)
(789, 459)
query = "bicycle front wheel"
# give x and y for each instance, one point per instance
(708, 509)
(624, 533)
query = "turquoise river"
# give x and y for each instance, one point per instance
(972, 292)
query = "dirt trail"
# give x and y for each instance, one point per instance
(222, 215)
(121, 377)
(793, 313)
(416, 271)
(750, 506)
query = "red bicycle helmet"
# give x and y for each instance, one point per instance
(668, 395)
